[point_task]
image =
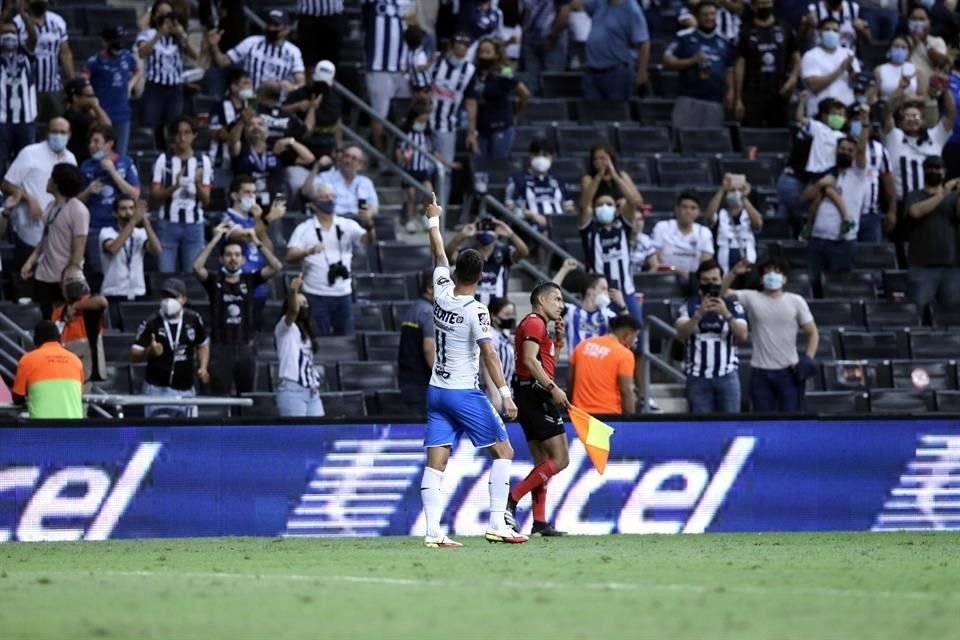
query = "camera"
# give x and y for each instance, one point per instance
(337, 271)
(171, 17)
(486, 224)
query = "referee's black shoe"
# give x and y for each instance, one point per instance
(546, 530)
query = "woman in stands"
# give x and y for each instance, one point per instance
(605, 178)
(298, 387)
(899, 72)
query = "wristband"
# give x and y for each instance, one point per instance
(553, 385)
(505, 392)
(433, 223)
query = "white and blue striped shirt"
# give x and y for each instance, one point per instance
(267, 61)
(450, 86)
(582, 324)
(383, 21)
(607, 251)
(711, 351)
(319, 7)
(164, 65)
(18, 89)
(51, 36)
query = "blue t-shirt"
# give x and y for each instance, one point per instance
(615, 33)
(955, 90)
(254, 260)
(494, 111)
(110, 78)
(689, 43)
(101, 204)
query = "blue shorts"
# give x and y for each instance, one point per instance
(452, 412)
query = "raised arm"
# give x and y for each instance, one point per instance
(293, 300)
(433, 212)
(568, 265)
(273, 263)
(199, 264)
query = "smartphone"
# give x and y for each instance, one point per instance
(361, 203)
(486, 224)
(737, 180)
(614, 284)
(279, 197)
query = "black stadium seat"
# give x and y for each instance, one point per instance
(368, 317)
(398, 311)
(402, 256)
(939, 375)
(945, 316)
(934, 344)
(881, 255)
(367, 376)
(548, 110)
(882, 314)
(766, 140)
(659, 285)
(856, 375)
(715, 140)
(900, 401)
(575, 140)
(760, 172)
(561, 85)
(836, 313)
(835, 402)
(390, 403)
(381, 345)
(632, 140)
(851, 284)
(133, 314)
(864, 345)
(116, 346)
(603, 111)
(652, 110)
(25, 315)
(336, 349)
(347, 404)
(378, 287)
(948, 401)
(563, 226)
(675, 171)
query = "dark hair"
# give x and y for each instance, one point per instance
(917, 6)
(122, 198)
(708, 265)
(847, 138)
(688, 195)
(108, 132)
(239, 181)
(540, 145)
(156, 6)
(235, 74)
(68, 180)
(702, 4)
(827, 105)
(469, 266)
(591, 279)
(541, 289)
(501, 56)
(497, 305)
(228, 242)
(418, 107)
(181, 120)
(777, 264)
(414, 36)
(426, 280)
(306, 328)
(45, 331)
(826, 20)
(601, 146)
(625, 321)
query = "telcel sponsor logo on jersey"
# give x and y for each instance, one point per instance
(72, 503)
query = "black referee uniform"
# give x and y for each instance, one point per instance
(320, 30)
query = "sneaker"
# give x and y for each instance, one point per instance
(653, 407)
(411, 227)
(505, 535)
(546, 530)
(510, 515)
(440, 542)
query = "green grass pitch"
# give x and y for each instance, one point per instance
(903, 586)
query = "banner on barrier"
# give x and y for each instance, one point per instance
(96, 483)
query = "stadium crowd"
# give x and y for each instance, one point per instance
(241, 133)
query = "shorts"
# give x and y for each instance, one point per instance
(384, 86)
(453, 412)
(537, 413)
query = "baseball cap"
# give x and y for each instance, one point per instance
(174, 286)
(113, 33)
(933, 162)
(324, 72)
(76, 86)
(277, 16)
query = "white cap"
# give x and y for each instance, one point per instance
(324, 72)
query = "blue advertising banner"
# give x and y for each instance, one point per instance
(664, 476)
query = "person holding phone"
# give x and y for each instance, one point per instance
(499, 246)
(227, 114)
(350, 189)
(734, 220)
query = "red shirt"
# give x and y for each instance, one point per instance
(534, 328)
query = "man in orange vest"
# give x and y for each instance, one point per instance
(49, 378)
(80, 321)
(600, 377)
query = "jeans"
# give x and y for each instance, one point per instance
(122, 129)
(161, 105)
(296, 400)
(445, 143)
(496, 145)
(332, 315)
(536, 59)
(714, 395)
(168, 411)
(185, 240)
(828, 256)
(14, 137)
(882, 22)
(933, 284)
(789, 189)
(775, 390)
(871, 228)
(232, 366)
(615, 83)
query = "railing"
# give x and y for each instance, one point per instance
(517, 221)
(360, 141)
(118, 402)
(651, 359)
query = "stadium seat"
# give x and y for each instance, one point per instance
(715, 140)
(665, 83)
(390, 403)
(652, 110)
(661, 200)
(934, 344)
(901, 401)
(776, 228)
(856, 375)
(864, 345)
(96, 18)
(381, 346)
(133, 314)
(633, 140)
(639, 170)
(835, 402)
(24, 315)
(827, 349)
(589, 111)
(939, 375)
(548, 110)
(883, 314)
(264, 405)
(762, 171)
(881, 255)
(794, 253)
(116, 346)
(395, 257)
(675, 171)
(766, 140)
(944, 316)
(384, 227)
(896, 285)
(561, 85)
(368, 317)
(525, 135)
(367, 376)
(659, 285)
(798, 282)
(563, 226)
(575, 141)
(116, 379)
(263, 380)
(850, 284)
(948, 401)
(381, 287)
(336, 349)
(837, 313)
(195, 291)
(347, 404)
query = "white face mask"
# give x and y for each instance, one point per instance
(602, 300)
(170, 307)
(540, 164)
(246, 203)
(605, 213)
(245, 94)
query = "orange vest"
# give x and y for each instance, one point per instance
(74, 334)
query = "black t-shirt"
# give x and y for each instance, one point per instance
(417, 325)
(932, 240)
(329, 110)
(265, 168)
(232, 307)
(493, 90)
(280, 124)
(177, 366)
(80, 123)
(767, 52)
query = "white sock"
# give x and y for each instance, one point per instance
(499, 490)
(432, 502)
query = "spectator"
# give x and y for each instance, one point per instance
(80, 320)
(824, 131)
(481, 21)
(227, 115)
(899, 73)
(320, 29)
(826, 69)
(643, 253)
(298, 391)
(705, 62)
(66, 221)
(113, 73)
(271, 60)
(604, 178)
(122, 247)
(606, 245)
(600, 377)
(418, 348)
(162, 47)
(497, 256)
(778, 374)
(503, 321)
(319, 107)
(83, 112)
(928, 53)
(933, 256)
(767, 69)
(386, 59)
(710, 326)
(511, 33)
(325, 244)
(944, 22)
(733, 220)
(174, 344)
(51, 47)
(421, 165)
(618, 50)
(881, 191)
(545, 39)
(181, 188)
(18, 93)
(107, 175)
(49, 379)
(599, 305)
(26, 181)
(537, 192)
(682, 243)
(846, 15)
(419, 60)
(881, 17)
(354, 194)
(265, 161)
(951, 151)
(280, 123)
(233, 310)
(729, 19)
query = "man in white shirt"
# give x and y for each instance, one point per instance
(121, 253)
(683, 244)
(325, 244)
(828, 68)
(354, 194)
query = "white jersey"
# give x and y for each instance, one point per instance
(460, 324)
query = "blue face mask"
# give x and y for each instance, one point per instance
(99, 155)
(455, 61)
(324, 206)
(926, 4)
(856, 128)
(486, 238)
(830, 39)
(58, 141)
(772, 281)
(898, 55)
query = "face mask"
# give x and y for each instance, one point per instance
(540, 164)
(484, 63)
(836, 121)
(830, 39)
(926, 4)
(734, 201)
(246, 203)
(918, 26)
(419, 126)
(114, 47)
(844, 160)
(605, 213)
(486, 238)
(856, 128)
(898, 55)
(303, 314)
(170, 307)
(231, 273)
(772, 281)
(602, 300)
(245, 94)
(73, 291)
(455, 61)
(764, 13)
(38, 8)
(324, 206)
(99, 155)
(932, 178)
(8, 42)
(507, 324)
(57, 141)
(272, 36)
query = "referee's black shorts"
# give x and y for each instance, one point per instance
(537, 414)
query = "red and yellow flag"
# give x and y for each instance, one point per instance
(595, 436)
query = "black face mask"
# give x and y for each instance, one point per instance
(710, 290)
(75, 290)
(508, 323)
(38, 8)
(324, 206)
(932, 178)
(272, 36)
(764, 13)
(844, 160)
(303, 315)
(484, 63)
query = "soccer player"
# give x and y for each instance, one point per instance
(455, 404)
(538, 398)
